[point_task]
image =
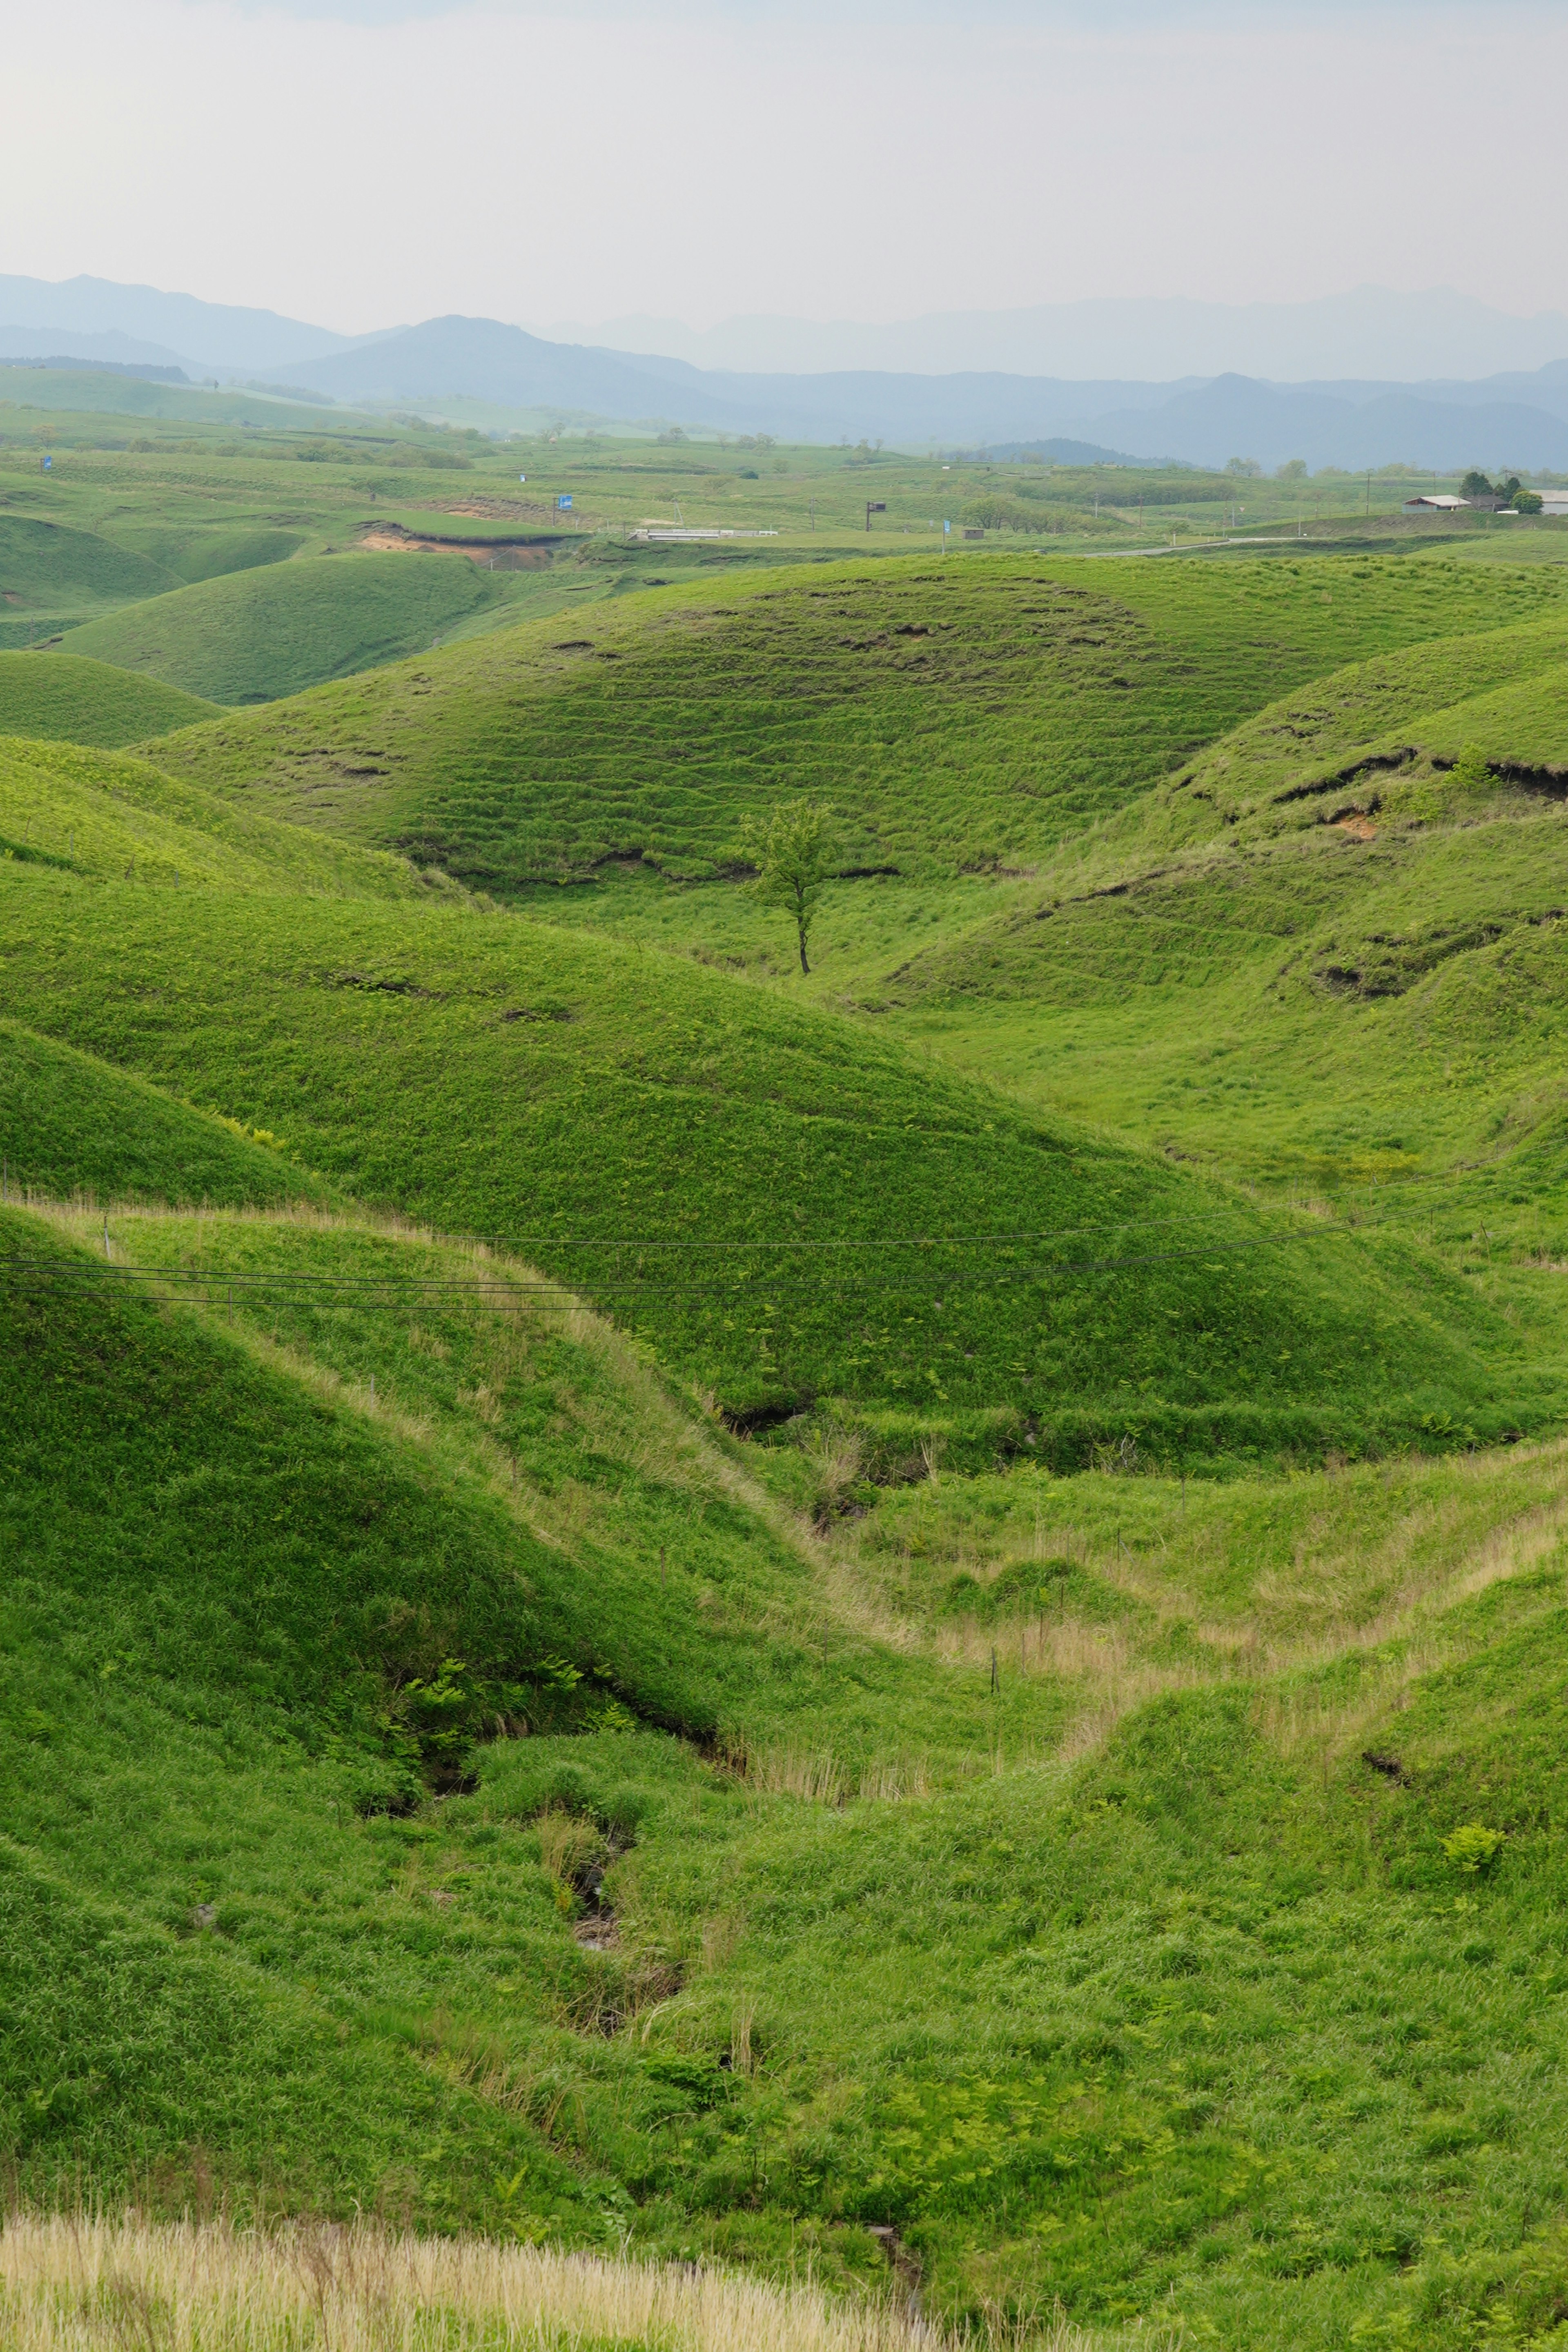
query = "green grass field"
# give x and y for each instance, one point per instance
(51, 576)
(901, 1627)
(75, 1126)
(68, 812)
(1205, 2025)
(969, 717)
(75, 700)
(208, 552)
(255, 635)
(787, 1209)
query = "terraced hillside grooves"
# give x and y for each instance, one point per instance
(1284, 959)
(958, 717)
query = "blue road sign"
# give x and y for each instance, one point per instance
(947, 526)
(47, 463)
(522, 478)
(565, 503)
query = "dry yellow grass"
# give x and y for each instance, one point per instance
(95, 2285)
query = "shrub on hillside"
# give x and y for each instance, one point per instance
(1473, 1847)
(1469, 772)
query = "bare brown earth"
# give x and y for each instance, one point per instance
(391, 539)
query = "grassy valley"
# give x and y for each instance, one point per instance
(702, 1654)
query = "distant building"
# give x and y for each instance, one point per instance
(1435, 502)
(1554, 502)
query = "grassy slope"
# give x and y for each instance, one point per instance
(208, 551)
(1308, 953)
(141, 1460)
(1206, 2026)
(1369, 710)
(95, 814)
(52, 576)
(506, 1079)
(67, 699)
(962, 716)
(255, 635)
(236, 1741)
(70, 1124)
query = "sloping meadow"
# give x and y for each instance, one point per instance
(66, 697)
(1247, 2021)
(783, 1210)
(248, 636)
(1326, 949)
(956, 716)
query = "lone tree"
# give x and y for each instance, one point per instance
(790, 852)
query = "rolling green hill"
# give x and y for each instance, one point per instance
(785, 1207)
(72, 1125)
(162, 1665)
(1211, 2021)
(51, 577)
(252, 636)
(207, 550)
(958, 717)
(66, 698)
(1364, 719)
(1315, 952)
(67, 810)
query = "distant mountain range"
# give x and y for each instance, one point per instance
(1368, 331)
(173, 329)
(1518, 416)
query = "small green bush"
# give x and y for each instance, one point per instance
(1472, 1847)
(1470, 771)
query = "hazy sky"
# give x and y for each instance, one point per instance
(362, 161)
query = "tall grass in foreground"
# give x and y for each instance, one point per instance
(72, 2284)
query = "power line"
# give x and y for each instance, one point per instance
(310, 1286)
